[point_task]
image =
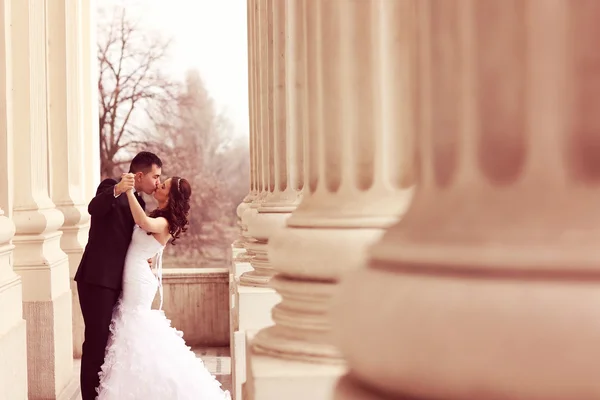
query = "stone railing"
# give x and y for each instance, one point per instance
(196, 300)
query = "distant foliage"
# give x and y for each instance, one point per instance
(140, 108)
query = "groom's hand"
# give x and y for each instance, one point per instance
(127, 182)
(150, 263)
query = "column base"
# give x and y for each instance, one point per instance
(13, 363)
(238, 362)
(254, 305)
(269, 378)
(256, 278)
(280, 342)
(238, 249)
(13, 334)
(237, 344)
(510, 333)
(239, 268)
(236, 270)
(302, 331)
(251, 313)
(49, 346)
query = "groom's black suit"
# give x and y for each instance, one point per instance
(99, 276)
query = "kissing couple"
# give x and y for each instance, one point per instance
(131, 352)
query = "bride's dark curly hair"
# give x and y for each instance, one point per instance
(178, 207)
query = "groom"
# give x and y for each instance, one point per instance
(101, 269)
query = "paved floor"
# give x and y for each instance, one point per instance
(217, 360)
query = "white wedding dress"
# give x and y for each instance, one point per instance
(147, 359)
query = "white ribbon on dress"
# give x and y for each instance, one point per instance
(159, 273)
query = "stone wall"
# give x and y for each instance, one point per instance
(196, 300)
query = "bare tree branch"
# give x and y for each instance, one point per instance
(130, 83)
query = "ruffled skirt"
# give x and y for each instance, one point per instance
(147, 359)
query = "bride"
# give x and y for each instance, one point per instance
(147, 359)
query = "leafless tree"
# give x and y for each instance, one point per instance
(132, 89)
(198, 144)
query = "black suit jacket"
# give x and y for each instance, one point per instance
(109, 237)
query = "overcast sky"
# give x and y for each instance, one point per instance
(209, 35)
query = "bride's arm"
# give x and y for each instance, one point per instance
(149, 224)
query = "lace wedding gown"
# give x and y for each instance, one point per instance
(147, 359)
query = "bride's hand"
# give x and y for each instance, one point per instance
(127, 183)
(129, 180)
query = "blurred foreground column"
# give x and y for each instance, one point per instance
(492, 279)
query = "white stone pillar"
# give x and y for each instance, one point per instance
(358, 181)
(278, 140)
(89, 71)
(90, 145)
(66, 132)
(38, 258)
(280, 149)
(257, 237)
(491, 280)
(240, 254)
(239, 249)
(256, 167)
(13, 338)
(241, 257)
(253, 283)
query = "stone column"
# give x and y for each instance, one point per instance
(66, 132)
(281, 150)
(278, 141)
(89, 76)
(13, 338)
(91, 135)
(239, 244)
(241, 256)
(257, 237)
(491, 280)
(38, 258)
(358, 181)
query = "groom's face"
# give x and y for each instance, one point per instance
(149, 181)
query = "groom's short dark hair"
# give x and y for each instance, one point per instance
(143, 162)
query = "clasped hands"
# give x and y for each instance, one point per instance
(127, 183)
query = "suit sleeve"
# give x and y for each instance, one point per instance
(105, 198)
